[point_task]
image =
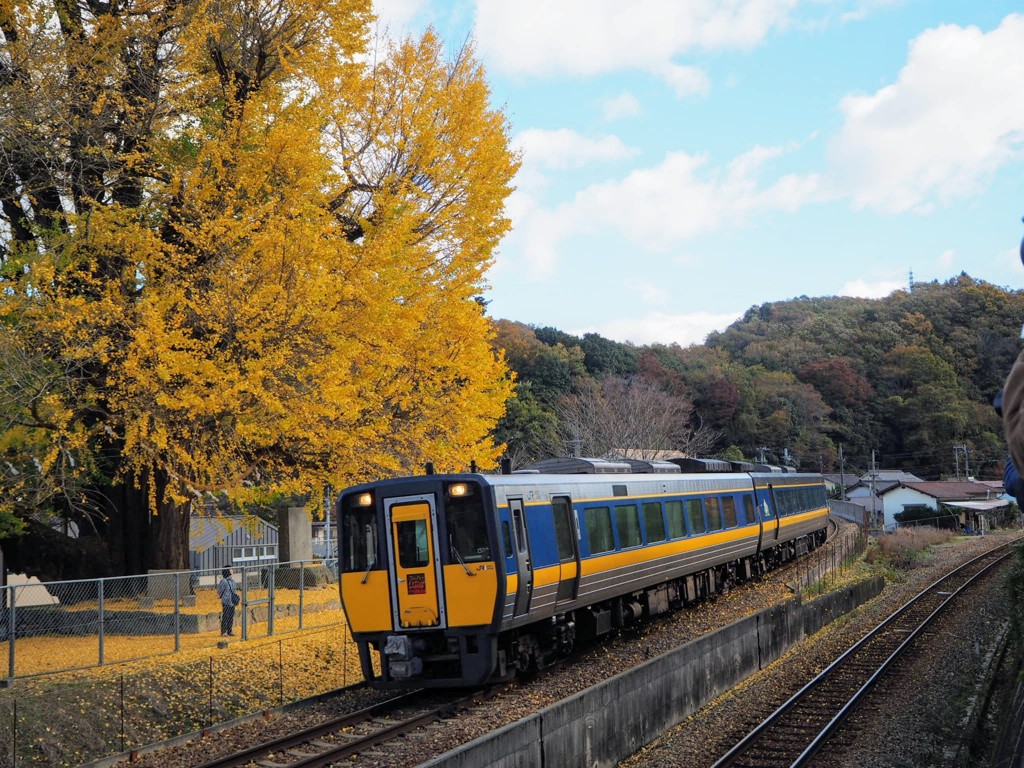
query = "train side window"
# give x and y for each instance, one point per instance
(654, 523)
(561, 513)
(598, 521)
(506, 538)
(695, 514)
(748, 507)
(676, 520)
(729, 511)
(627, 522)
(714, 513)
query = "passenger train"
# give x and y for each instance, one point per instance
(453, 580)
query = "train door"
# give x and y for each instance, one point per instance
(415, 570)
(568, 540)
(772, 513)
(521, 544)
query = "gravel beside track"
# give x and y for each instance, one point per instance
(913, 721)
(695, 743)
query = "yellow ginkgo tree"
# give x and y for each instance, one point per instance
(239, 251)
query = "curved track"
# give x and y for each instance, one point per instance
(334, 739)
(801, 726)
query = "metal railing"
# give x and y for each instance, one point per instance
(62, 626)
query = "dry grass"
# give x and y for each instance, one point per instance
(905, 547)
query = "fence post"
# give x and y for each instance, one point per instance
(177, 613)
(122, 711)
(99, 611)
(209, 717)
(271, 599)
(12, 599)
(302, 593)
(245, 602)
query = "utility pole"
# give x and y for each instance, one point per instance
(842, 475)
(957, 449)
(873, 474)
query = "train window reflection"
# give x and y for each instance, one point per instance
(748, 507)
(467, 529)
(562, 513)
(627, 523)
(729, 511)
(654, 523)
(599, 529)
(358, 539)
(714, 514)
(676, 521)
(696, 516)
(413, 551)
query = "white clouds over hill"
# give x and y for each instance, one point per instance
(951, 119)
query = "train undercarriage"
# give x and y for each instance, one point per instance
(473, 657)
(537, 645)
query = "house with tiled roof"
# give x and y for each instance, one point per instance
(845, 480)
(967, 501)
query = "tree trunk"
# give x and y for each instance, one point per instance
(169, 530)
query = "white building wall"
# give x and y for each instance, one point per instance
(896, 499)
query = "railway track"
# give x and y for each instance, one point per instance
(802, 726)
(340, 737)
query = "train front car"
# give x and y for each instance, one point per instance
(419, 579)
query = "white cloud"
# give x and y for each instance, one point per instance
(621, 106)
(587, 37)
(650, 293)
(659, 206)
(871, 290)
(663, 328)
(565, 148)
(947, 124)
(397, 15)
(685, 81)
(947, 259)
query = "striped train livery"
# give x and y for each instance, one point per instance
(457, 579)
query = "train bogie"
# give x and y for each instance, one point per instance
(453, 580)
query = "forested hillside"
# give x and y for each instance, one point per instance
(909, 376)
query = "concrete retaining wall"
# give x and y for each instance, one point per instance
(610, 721)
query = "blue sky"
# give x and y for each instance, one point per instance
(684, 160)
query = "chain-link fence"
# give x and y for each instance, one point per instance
(43, 725)
(66, 625)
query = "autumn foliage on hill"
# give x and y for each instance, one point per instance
(240, 251)
(908, 376)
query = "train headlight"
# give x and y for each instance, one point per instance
(458, 489)
(364, 500)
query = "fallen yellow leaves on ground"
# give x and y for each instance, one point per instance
(71, 718)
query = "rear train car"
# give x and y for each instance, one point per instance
(457, 579)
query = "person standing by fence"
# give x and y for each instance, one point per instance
(227, 590)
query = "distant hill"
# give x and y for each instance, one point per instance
(909, 376)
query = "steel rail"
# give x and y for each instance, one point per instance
(326, 753)
(987, 560)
